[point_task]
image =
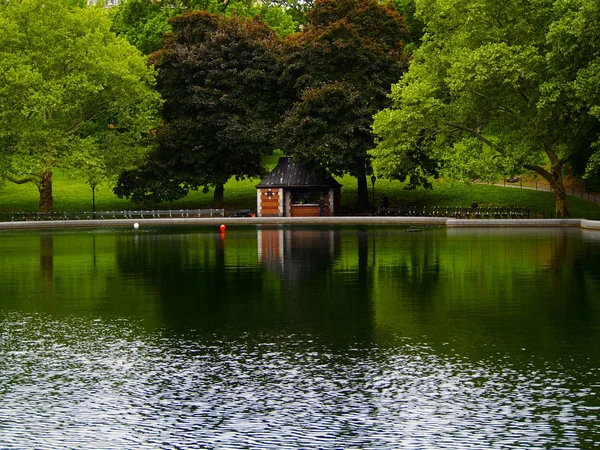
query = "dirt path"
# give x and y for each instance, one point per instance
(574, 187)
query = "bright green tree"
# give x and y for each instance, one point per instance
(496, 88)
(73, 96)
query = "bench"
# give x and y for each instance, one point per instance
(402, 211)
(458, 212)
(126, 214)
(242, 213)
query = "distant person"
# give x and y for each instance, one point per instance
(321, 208)
(384, 203)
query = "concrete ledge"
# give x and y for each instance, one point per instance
(590, 224)
(499, 223)
(347, 220)
(303, 221)
(228, 221)
(112, 223)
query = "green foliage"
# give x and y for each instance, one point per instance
(296, 9)
(575, 39)
(218, 78)
(72, 94)
(336, 75)
(75, 195)
(493, 90)
(593, 167)
(144, 22)
(333, 115)
(416, 27)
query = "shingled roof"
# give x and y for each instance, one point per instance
(291, 174)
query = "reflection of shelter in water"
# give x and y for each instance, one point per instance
(294, 190)
(296, 254)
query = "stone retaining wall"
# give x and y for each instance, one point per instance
(304, 221)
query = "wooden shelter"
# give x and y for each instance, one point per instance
(294, 190)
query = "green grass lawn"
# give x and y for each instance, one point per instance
(447, 193)
(74, 195)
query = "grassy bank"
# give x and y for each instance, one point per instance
(74, 195)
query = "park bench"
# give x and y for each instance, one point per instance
(241, 213)
(386, 212)
(38, 216)
(402, 211)
(458, 212)
(125, 214)
(493, 213)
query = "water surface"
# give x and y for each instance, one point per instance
(297, 338)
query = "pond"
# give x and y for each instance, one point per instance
(280, 337)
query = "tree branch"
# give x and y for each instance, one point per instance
(28, 179)
(495, 106)
(522, 94)
(548, 149)
(478, 135)
(84, 120)
(540, 170)
(580, 128)
(225, 5)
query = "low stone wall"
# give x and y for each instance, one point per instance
(304, 221)
(590, 224)
(500, 223)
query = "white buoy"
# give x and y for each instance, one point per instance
(136, 225)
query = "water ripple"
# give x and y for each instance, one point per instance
(100, 384)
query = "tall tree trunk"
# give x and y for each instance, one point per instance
(556, 181)
(363, 193)
(45, 189)
(218, 196)
(557, 184)
(362, 189)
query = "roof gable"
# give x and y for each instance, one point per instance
(289, 173)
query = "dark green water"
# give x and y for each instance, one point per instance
(296, 338)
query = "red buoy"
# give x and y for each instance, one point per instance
(222, 228)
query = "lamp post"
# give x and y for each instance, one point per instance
(93, 186)
(373, 180)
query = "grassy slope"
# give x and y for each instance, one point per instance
(73, 195)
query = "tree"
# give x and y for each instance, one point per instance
(337, 73)
(66, 82)
(408, 9)
(218, 78)
(576, 40)
(297, 9)
(144, 22)
(494, 89)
